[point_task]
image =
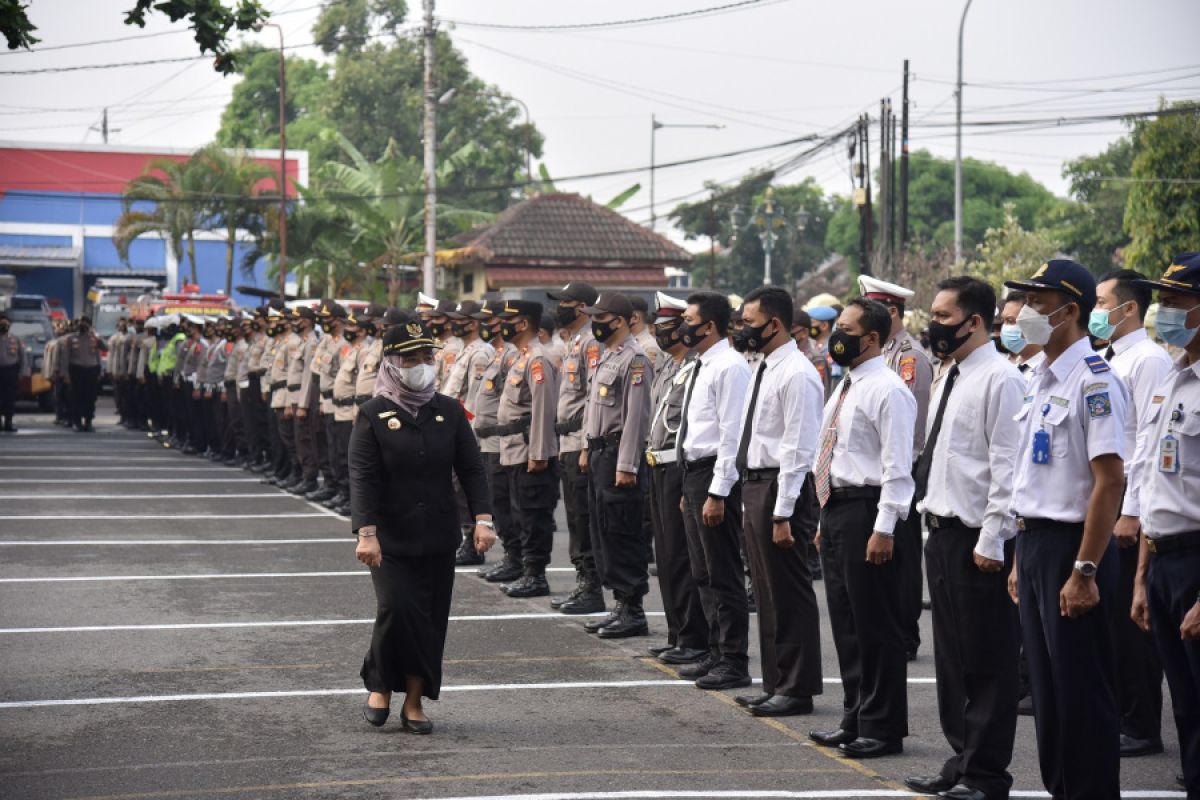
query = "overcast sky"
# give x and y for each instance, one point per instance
(767, 72)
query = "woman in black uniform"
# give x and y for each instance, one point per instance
(407, 440)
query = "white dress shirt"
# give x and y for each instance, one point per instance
(970, 476)
(875, 439)
(787, 422)
(1144, 366)
(714, 412)
(1170, 501)
(1082, 408)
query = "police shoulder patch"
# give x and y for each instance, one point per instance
(1097, 364)
(537, 372)
(593, 354)
(1099, 405)
(908, 369)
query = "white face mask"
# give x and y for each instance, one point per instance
(417, 378)
(1035, 327)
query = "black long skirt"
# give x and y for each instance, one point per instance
(413, 598)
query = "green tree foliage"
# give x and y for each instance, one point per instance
(1009, 251)
(231, 182)
(1162, 216)
(211, 20)
(1091, 228)
(167, 200)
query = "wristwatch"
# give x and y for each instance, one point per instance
(487, 523)
(777, 520)
(1086, 568)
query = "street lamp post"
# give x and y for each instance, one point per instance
(282, 162)
(770, 220)
(654, 126)
(958, 87)
(451, 92)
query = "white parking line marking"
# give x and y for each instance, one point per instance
(229, 575)
(96, 517)
(129, 480)
(200, 468)
(253, 495)
(786, 794)
(195, 626)
(152, 542)
(118, 457)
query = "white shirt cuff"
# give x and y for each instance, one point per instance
(784, 507)
(885, 522)
(990, 546)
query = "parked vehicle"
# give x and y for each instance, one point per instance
(29, 315)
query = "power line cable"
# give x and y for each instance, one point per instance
(620, 23)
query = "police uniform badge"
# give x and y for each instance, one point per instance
(908, 369)
(1099, 405)
(413, 329)
(537, 372)
(393, 424)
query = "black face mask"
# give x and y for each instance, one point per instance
(508, 330)
(690, 334)
(603, 331)
(565, 315)
(665, 337)
(437, 328)
(844, 348)
(350, 336)
(945, 339)
(369, 329)
(485, 333)
(750, 340)
(3, 327)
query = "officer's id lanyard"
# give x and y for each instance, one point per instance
(1168, 446)
(1041, 440)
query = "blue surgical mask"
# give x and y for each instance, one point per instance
(1171, 325)
(1011, 338)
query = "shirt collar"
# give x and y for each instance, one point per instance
(979, 356)
(867, 367)
(1066, 362)
(1182, 365)
(781, 353)
(715, 351)
(1128, 340)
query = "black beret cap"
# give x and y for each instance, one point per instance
(406, 334)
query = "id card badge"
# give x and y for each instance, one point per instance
(1168, 454)
(1041, 447)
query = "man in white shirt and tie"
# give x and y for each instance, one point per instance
(780, 426)
(864, 482)
(710, 430)
(963, 488)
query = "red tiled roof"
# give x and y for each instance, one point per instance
(500, 277)
(566, 230)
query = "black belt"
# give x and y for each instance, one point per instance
(1173, 543)
(343, 402)
(293, 387)
(599, 443)
(327, 393)
(277, 385)
(359, 399)
(703, 463)
(570, 426)
(764, 474)
(854, 493)
(934, 522)
(230, 384)
(257, 373)
(1041, 523)
(508, 429)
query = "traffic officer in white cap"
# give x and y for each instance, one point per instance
(907, 359)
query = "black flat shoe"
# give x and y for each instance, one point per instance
(657, 650)
(963, 792)
(751, 700)
(781, 706)
(1133, 748)
(682, 655)
(832, 738)
(421, 727)
(928, 784)
(375, 716)
(863, 747)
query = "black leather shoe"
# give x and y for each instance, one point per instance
(595, 625)
(375, 716)
(630, 621)
(699, 669)
(591, 602)
(343, 510)
(682, 655)
(782, 706)
(657, 650)
(870, 748)
(421, 727)
(929, 784)
(321, 495)
(963, 792)
(751, 700)
(528, 586)
(832, 738)
(338, 499)
(723, 676)
(304, 487)
(467, 556)
(1132, 748)
(504, 572)
(557, 602)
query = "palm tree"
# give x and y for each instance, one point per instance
(173, 190)
(231, 182)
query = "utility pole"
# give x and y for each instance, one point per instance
(904, 163)
(891, 188)
(430, 263)
(655, 125)
(104, 129)
(885, 189)
(958, 86)
(868, 217)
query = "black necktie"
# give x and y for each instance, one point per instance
(687, 401)
(1022, 367)
(742, 461)
(1108, 354)
(921, 473)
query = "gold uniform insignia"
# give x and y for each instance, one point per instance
(440, 418)
(413, 329)
(394, 424)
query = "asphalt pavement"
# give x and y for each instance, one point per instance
(170, 628)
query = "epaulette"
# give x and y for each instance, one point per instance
(1097, 364)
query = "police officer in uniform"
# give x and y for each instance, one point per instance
(616, 420)
(484, 402)
(287, 345)
(643, 331)
(437, 320)
(301, 401)
(1066, 494)
(1166, 597)
(906, 357)
(80, 370)
(344, 408)
(328, 358)
(529, 445)
(581, 359)
(249, 389)
(14, 364)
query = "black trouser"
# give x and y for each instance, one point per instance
(254, 412)
(307, 430)
(85, 385)
(618, 544)
(908, 543)
(333, 477)
(864, 612)
(686, 626)
(1139, 672)
(324, 435)
(234, 441)
(1070, 667)
(62, 401)
(119, 400)
(575, 492)
(341, 453)
(508, 526)
(534, 496)
(789, 621)
(287, 442)
(9, 377)
(1172, 586)
(181, 398)
(716, 560)
(201, 422)
(975, 636)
